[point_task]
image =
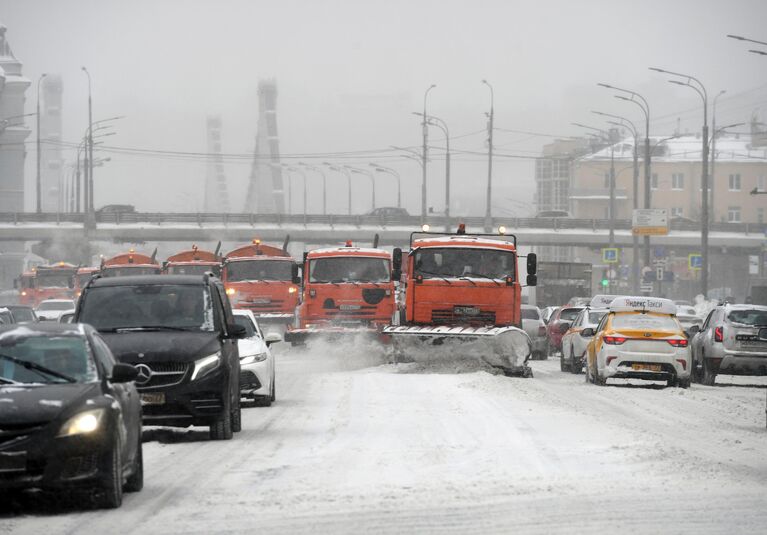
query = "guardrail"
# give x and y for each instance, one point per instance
(202, 219)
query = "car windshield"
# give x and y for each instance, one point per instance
(126, 271)
(569, 314)
(647, 322)
(56, 305)
(530, 314)
(150, 306)
(456, 262)
(54, 280)
(194, 269)
(40, 358)
(265, 270)
(246, 322)
(596, 317)
(686, 311)
(748, 317)
(349, 269)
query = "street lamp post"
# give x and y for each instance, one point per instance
(712, 193)
(488, 214)
(89, 151)
(740, 38)
(442, 125)
(38, 182)
(635, 183)
(345, 172)
(372, 178)
(640, 101)
(395, 174)
(425, 128)
(698, 87)
(324, 185)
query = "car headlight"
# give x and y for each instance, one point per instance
(83, 423)
(206, 365)
(250, 359)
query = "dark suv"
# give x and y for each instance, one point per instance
(179, 332)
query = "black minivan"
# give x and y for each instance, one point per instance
(179, 332)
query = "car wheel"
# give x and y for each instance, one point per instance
(221, 428)
(274, 390)
(237, 418)
(135, 481)
(574, 368)
(111, 489)
(562, 365)
(709, 377)
(683, 383)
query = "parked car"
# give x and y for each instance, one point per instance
(533, 325)
(6, 317)
(574, 341)
(733, 341)
(558, 325)
(116, 209)
(389, 211)
(70, 417)
(688, 317)
(21, 313)
(257, 377)
(52, 309)
(179, 331)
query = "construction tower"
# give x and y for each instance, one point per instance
(265, 187)
(216, 193)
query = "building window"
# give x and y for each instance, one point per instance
(677, 211)
(760, 215)
(733, 214)
(677, 181)
(654, 181)
(761, 183)
(735, 182)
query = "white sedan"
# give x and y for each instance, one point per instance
(574, 343)
(257, 378)
(52, 309)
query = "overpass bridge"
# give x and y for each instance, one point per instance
(323, 229)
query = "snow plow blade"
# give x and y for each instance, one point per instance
(300, 336)
(505, 348)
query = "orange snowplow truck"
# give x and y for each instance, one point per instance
(194, 262)
(54, 281)
(346, 290)
(130, 263)
(463, 289)
(83, 275)
(259, 278)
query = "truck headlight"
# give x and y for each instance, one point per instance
(292, 290)
(250, 359)
(231, 291)
(206, 365)
(83, 423)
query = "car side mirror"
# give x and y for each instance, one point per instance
(295, 274)
(236, 331)
(588, 332)
(564, 327)
(396, 263)
(693, 330)
(272, 337)
(532, 280)
(532, 265)
(123, 373)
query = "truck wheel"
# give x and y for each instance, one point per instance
(709, 377)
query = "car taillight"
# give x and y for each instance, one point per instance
(718, 334)
(542, 330)
(614, 340)
(678, 343)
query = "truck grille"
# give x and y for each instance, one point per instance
(165, 374)
(448, 316)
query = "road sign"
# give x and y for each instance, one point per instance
(659, 273)
(695, 261)
(649, 222)
(646, 287)
(610, 255)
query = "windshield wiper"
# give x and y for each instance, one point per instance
(486, 277)
(150, 328)
(40, 369)
(6, 381)
(420, 271)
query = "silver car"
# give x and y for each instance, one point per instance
(574, 344)
(533, 325)
(688, 316)
(732, 340)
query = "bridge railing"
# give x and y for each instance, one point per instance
(332, 220)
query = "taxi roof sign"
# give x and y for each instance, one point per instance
(643, 304)
(602, 300)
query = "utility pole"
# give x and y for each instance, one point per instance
(38, 179)
(89, 151)
(424, 155)
(488, 211)
(713, 156)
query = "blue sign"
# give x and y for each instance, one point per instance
(695, 261)
(610, 255)
(659, 252)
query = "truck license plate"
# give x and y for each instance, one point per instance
(646, 367)
(349, 307)
(466, 311)
(261, 301)
(153, 398)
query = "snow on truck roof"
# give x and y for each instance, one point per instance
(463, 240)
(349, 251)
(643, 304)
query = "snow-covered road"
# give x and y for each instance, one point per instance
(359, 447)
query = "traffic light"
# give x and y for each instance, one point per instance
(605, 283)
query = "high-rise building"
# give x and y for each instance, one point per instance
(265, 187)
(51, 161)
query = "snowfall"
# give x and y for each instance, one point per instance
(443, 445)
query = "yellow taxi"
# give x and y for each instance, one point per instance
(639, 338)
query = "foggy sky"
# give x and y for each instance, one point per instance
(350, 72)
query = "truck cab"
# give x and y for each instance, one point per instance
(130, 263)
(55, 281)
(193, 262)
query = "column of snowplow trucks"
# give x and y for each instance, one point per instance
(456, 294)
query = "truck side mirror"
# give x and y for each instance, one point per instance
(296, 276)
(532, 265)
(532, 280)
(396, 262)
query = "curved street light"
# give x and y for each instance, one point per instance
(488, 214)
(368, 174)
(425, 131)
(442, 125)
(395, 174)
(348, 175)
(324, 184)
(38, 181)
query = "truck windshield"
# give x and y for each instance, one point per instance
(265, 270)
(83, 278)
(194, 269)
(156, 306)
(464, 262)
(125, 271)
(54, 280)
(349, 269)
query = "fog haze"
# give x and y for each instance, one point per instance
(350, 74)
